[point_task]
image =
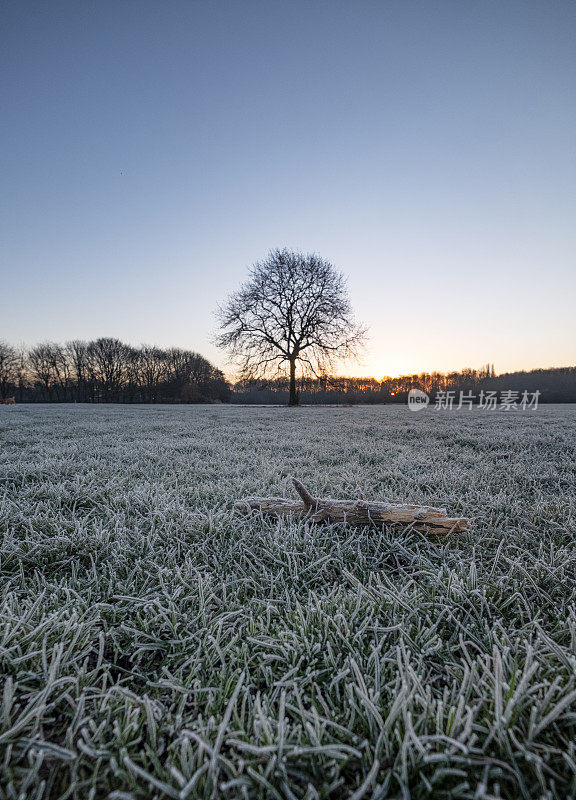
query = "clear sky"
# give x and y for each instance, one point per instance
(150, 151)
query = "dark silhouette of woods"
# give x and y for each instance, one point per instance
(109, 371)
(9, 369)
(557, 385)
(293, 313)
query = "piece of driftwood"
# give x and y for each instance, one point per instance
(355, 512)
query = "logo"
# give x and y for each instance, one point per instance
(417, 400)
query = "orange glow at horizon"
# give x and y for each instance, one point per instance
(395, 366)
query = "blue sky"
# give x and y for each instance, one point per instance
(151, 151)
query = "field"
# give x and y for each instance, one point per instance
(155, 643)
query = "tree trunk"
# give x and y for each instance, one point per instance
(355, 512)
(293, 399)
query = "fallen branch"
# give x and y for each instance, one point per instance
(354, 512)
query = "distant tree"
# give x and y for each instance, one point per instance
(132, 387)
(8, 369)
(77, 355)
(107, 361)
(152, 370)
(61, 370)
(292, 312)
(45, 366)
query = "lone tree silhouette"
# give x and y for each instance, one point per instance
(293, 312)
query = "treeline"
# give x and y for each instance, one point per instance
(557, 385)
(107, 370)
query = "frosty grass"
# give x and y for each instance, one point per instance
(155, 643)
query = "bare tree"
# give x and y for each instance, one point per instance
(61, 369)
(77, 355)
(45, 360)
(293, 312)
(107, 359)
(152, 370)
(8, 368)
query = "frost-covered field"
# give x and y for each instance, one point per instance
(153, 643)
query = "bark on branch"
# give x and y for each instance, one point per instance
(355, 512)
